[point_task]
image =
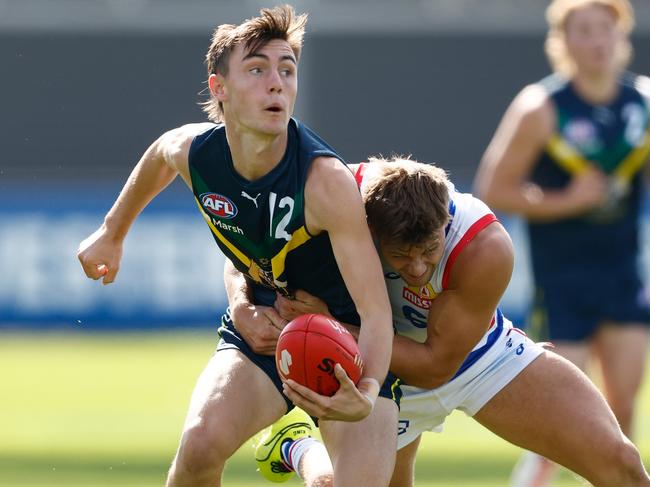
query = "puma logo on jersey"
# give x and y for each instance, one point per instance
(218, 205)
(249, 197)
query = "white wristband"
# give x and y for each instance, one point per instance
(370, 400)
(373, 391)
(370, 380)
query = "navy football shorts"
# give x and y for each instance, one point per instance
(231, 339)
(572, 309)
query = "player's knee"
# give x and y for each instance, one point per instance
(201, 452)
(627, 463)
(630, 459)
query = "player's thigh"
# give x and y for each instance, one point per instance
(403, 474)
(553, 409)
(363, 452)
(232, 400)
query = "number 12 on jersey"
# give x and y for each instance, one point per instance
(280, 229)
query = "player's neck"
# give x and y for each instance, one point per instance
(596, 89)
(255, 155)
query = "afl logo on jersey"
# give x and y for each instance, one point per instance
(218, 205)
(582, 134)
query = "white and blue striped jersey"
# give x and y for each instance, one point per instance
(410, 305)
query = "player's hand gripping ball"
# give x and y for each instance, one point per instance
(309, 347)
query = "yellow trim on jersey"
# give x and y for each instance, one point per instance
(566, 156)
(570, 159)
(634, 160)
(394, 386)
(245, 260)
(298, 238)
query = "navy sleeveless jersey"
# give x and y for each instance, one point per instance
(615, 138)
(260, 225)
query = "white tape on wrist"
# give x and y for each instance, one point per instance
(370, 400)
(369, 380)
(373, 391)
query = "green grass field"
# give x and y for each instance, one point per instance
(99, 410)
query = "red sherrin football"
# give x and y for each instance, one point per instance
(310, 346)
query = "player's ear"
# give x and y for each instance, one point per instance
(216, 83)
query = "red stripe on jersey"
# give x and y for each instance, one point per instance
(517, 330)
(359, 174)
(476, 227)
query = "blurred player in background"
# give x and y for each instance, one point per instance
(447, 262)
(285, 210)
(568, 157)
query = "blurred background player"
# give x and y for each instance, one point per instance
(447, 262)
(263, 183)
(567, 157)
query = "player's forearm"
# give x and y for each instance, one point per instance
(531, 201)
(148, 178)
(375, 345)
(421, 365)
(237, 288)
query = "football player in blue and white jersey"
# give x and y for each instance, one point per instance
(447, 262)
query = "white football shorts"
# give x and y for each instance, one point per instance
(426, 409)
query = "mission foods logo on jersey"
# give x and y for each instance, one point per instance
(218, 205)
(420, 297)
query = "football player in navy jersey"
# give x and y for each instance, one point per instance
(568, 157)
(287, 213)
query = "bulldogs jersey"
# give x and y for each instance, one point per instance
(410, 305)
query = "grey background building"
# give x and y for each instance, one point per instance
(88, 85)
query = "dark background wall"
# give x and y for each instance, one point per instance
(83, 106)
(84, 92)
(437, 97)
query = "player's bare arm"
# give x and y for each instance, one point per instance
(458, 317)
(461, 314)
(333, 204)
(502, 180)
(259, 325)
(101, 252)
